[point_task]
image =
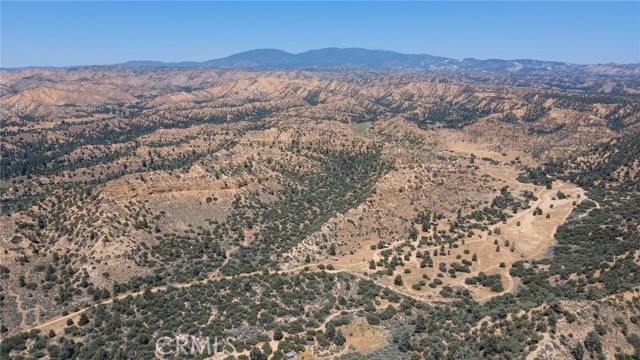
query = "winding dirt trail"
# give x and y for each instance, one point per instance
(544, 197)
(532, 236)
(61, 321)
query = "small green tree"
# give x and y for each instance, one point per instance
(404, 344)
(339, 338)
(257, 354)
(578, 352)
(497, 287)
(266, 349)
(330, 332)
(420, 324)
(83, 319)
(592, 342)
(413, 233)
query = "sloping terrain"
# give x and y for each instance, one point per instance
(440, 214)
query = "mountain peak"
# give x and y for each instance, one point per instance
(334, 57)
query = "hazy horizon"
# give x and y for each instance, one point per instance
(103, 33)
(295, 53)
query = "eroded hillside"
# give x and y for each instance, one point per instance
(439, 213)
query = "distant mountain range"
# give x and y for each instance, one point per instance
(382, 59)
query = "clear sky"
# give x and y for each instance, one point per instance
(81, 33)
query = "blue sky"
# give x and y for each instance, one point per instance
(79, 33)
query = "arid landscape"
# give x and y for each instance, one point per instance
(361, 213)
